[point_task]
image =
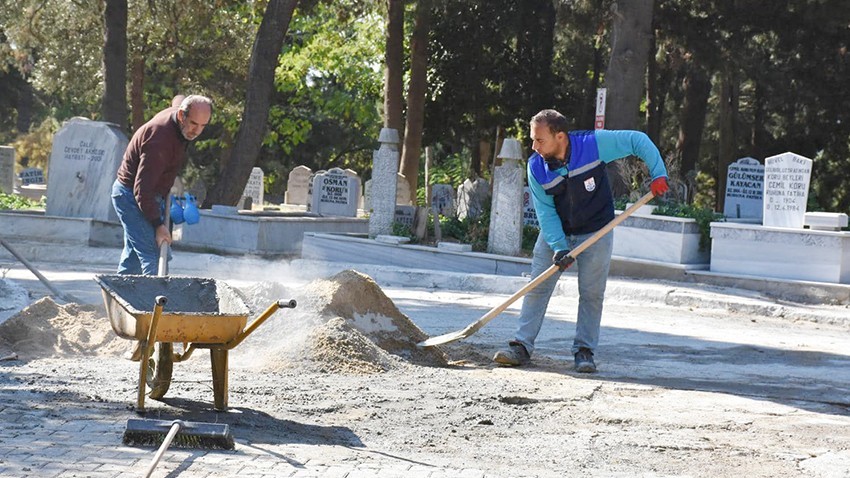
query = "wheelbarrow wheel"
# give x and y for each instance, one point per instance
(160, 366)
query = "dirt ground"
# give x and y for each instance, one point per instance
(682, 390)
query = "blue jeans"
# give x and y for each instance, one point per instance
(140, 254)
(592, 266)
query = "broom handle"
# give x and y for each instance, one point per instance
(175, 427)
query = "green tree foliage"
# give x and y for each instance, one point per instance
(326, 112)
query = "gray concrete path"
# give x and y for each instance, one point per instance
(781, 352)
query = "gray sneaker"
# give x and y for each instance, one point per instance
(584, 361)
(514, 355)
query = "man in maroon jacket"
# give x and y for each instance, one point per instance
(154, 157)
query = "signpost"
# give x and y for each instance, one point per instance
(601, 93)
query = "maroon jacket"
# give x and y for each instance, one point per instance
(153, 158)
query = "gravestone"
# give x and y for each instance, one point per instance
(443, 199)
(382, 192)
(310, 188)
(297, 186)
(744, 190)
(356, 176)
(406, 216)
(529, 215)
(83, 165)
(7, 169)
(786, 190)
(402, 190)
(505, 233)
(254, 188)
(32, 176)
(367, 195)
(335, 193)
(471, 197)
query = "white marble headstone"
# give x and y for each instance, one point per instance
(7, 169)
(335, 193)
(254, 188)
(786, 189)
(382, 191)
(744, 190)
(297, 186)
(443, 199)
(83, 164)
(356, 176)
(529, 215)
(471, 197)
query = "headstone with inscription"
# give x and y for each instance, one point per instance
(7, 169)
(402, 190)
(786, 190)
(32, 176)
(254, 188)
(443, 199)
(471, 197)
(297, 186)
(744, 190)
(83, 163)
(406, 216)
(529, 215)
(335, 193)
(382, 192)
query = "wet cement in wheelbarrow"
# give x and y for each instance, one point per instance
(184, 294)
(342, 324)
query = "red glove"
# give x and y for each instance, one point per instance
(659, 186)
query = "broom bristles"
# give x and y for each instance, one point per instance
(191, 435)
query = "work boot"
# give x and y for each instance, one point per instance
(514, 355)
(584, 361)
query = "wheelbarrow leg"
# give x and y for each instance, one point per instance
(147, 348)
(218, 357)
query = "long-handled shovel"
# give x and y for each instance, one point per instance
(478, 324)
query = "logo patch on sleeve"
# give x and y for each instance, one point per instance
(589, 185)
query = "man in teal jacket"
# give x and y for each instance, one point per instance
(572, 198)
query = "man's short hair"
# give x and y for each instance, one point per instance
(556, 122)
(192, 100)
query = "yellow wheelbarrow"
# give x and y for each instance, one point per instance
(158, 311)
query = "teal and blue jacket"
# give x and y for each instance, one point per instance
(575, 198)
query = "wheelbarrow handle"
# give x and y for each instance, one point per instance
(281, 304)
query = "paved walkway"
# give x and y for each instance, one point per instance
(40, 439)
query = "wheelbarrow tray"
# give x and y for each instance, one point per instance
(199, 310)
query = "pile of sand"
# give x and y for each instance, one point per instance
(342, 324)
(47, 329)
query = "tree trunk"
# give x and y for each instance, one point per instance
(24, 106)
(696, 88)
(625, 79)
(114, 106)
(728, 110)
(416, 95)
(759, 136)
(137, 92)
(264, 59)
(394, 72)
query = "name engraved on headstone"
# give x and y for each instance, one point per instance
(786, 189)
(744, 190)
